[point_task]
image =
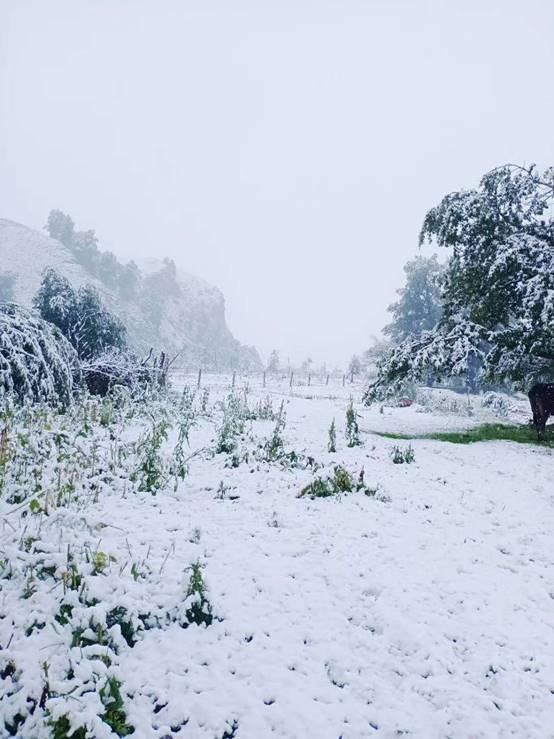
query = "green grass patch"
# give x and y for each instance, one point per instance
(487, 432)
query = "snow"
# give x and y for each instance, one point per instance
(28, 253)
(425, 610)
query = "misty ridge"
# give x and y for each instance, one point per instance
(161, 309)
(276, 370)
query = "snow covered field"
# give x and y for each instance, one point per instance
(421, 605)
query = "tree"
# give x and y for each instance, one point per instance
(157, 288)
(419, 306)
(129, 279)
(274, 363)
(306, 366)
(97, 330)
(84, 245)
(61, 227)
(355, 366)
(498, 294)
(79, 315)
(7, 283)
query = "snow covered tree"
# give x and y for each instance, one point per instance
(37, 363)
(355, 366)
(129, 280)
(498, 294)
(274, 363)
(97, 330)
(84, 245)
(80, 315)
(306, 366)
(61, 227)
(157, 288)
(7, 282)
(418, 308)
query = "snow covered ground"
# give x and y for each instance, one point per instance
(422, 608)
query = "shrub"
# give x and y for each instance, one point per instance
(341, 481)
(403, 456)
(121, 369)
(232, 425)
(36, 362)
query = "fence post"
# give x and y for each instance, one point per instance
(309, 380)
(343, 380)
(291, 376)
(234, 378)
(327, 380)
(264, 379)
(199, 376)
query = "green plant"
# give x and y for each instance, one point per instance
(487, 432)
(352, 428)
(332, 443)
(341, 481)
(264, 410)
(199, 609)
(232, 425)
(100, 561)
(403, 456)
(274, 447)
(114, 715)
(151, 473)
(62, 729)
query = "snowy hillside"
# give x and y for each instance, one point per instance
(188, 318)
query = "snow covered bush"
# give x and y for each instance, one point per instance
(121, 369)
(36, 362)
(498, 403)
(498, 289)
(443, 401)
(340, 481)
(403, 456)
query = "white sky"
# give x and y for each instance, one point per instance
(286, 152)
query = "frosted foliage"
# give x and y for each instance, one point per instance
(498, 294)
(36, 362)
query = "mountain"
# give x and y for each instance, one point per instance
(162, 307)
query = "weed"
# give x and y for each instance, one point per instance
(403, 456)
(62, 729)
(232, 425)
(151, 473)
(352, 429)
(198, 608)
(114, 716)
(332, 443)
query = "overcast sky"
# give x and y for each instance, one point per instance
(286, 152)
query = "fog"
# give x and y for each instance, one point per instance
(285, 152)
